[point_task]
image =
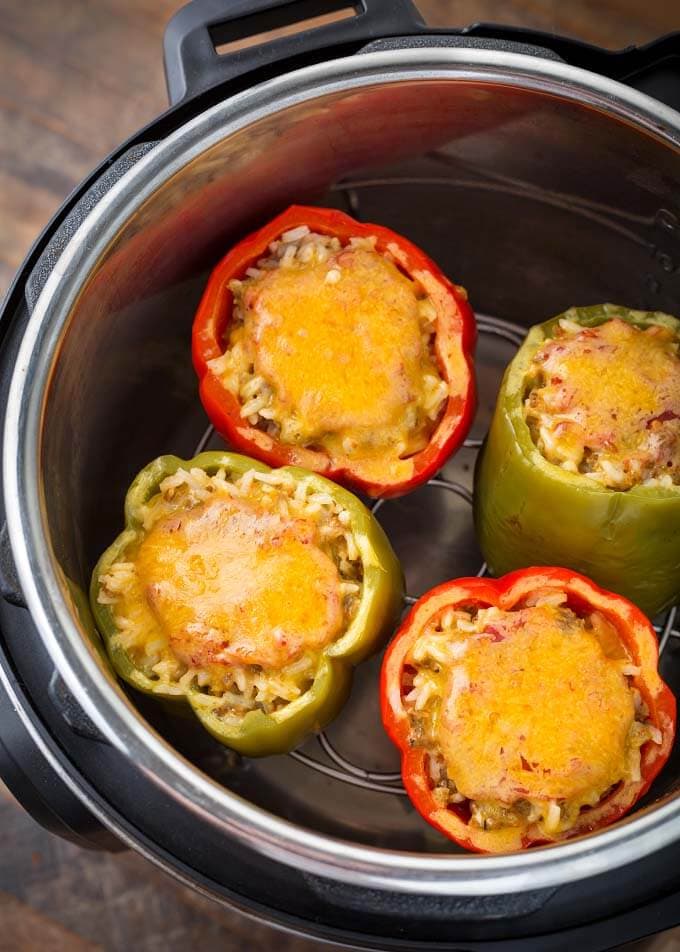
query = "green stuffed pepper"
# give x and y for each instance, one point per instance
(247, 593)
(581, 466)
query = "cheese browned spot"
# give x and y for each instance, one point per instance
(535, 710)
(605, 402)
(231, 584)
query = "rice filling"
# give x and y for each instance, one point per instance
(486, 693)
(604, 402)
(332, 347)
(236, 588)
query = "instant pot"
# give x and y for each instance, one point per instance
(538, 172)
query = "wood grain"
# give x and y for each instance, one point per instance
(612, 24)
(21, 925)
(78, 77)
(55, 896)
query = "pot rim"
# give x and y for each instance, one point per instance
(42, 581)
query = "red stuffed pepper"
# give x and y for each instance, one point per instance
(339, 346)
(527, 709)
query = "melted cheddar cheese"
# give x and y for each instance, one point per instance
(331, 348)
(527, 714)
(236, 585)
(504, 736)
(362, 334)
(219, 581)
(605, 402)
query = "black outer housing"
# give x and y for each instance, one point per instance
(597, 914)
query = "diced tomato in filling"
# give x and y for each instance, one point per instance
(605, 402)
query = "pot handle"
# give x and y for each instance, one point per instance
(194, 34)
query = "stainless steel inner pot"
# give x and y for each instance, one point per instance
(535, 185)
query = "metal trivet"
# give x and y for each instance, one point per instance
(334, 764)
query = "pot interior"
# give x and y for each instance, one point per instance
(532, 201)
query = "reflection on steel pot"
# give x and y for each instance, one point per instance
(538, 185)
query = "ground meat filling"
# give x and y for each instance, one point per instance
(529, 716)
(332, 347)
(605, 402)
(236, 586)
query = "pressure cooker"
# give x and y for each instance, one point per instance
(541, 172)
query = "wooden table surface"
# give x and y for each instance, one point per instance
(78, 77)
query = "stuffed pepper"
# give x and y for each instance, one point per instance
(527, 709)
(338, 346)
(581, 466)
(246, 592)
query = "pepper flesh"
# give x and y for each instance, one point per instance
(257, 733)
(528, 510)
(454, 340)
(635, 633)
